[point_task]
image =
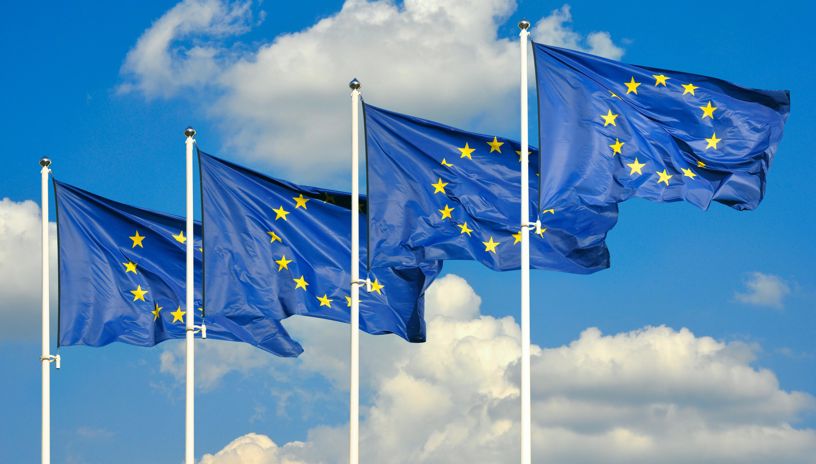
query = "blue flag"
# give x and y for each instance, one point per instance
(284, 249)
(613, 130)
(439, 193)
(122, 278)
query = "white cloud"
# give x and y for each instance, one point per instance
(20, 269)
(286, 104)
(239, 358)
(252, 448)
(172, 69)
(93, 433)
(649, 395)
(556, 30)
(764, 290)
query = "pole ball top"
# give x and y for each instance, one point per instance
(189, 132)
(524, 24)
(45, 162)
(354, 84)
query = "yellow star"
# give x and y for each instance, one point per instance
(178, 315)
(439, 186)
(324, 300)
(280, 213)
(300, 282)
(708, 110)
(517, 237)
(689, 88)
(688, 173)
(137, 240)
(376, 286)
(700, 164)
(541, 231)
(631, 86)
(614, 95)
(660, 79)
(664, 177)
(328, 198)
(495, 145)
(636, 167)
(518, 152)
(156, 311)
(616, 147)
(550, 211)
(466, 151)
(180, 237)
(490, 245)
(283, 263)
(713, 141)
(138, 294)
(300, 201)
(274, 237)
(609, 118)
(464, 229)
(446, 212)
(130, 267)
(446, 164)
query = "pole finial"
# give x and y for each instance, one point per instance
(190, 132)
(354, 84)
(45, 162)
(524, 24)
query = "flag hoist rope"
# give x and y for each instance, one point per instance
(354, 364)
(526, 422)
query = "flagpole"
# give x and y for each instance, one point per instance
(189, 420)
(354, 365)
(526, 421)
(46, 358)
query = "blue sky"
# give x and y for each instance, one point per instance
(673, 265)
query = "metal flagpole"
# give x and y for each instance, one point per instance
(354, 368)
(526, 423)
(189, 421)
(46, 358)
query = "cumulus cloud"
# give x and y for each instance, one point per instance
(286, 103)
(763, 290)
(252, 448)
(556, 30)
(239, 358)
(20, 268)
(172, 69)
(650, 395)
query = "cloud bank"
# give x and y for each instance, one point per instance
(20, 254)
(650, 395)
(285, 103)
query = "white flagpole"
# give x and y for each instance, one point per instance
(46, 358)
(189, 421)
(526, 421)
(354, 368)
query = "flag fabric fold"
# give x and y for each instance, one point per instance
(613, 130)
(283, 249)
(436, 193)
(122, 279)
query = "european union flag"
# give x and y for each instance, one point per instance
(122, 278)
(284, 249)
(613, 130)
(436, 193)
